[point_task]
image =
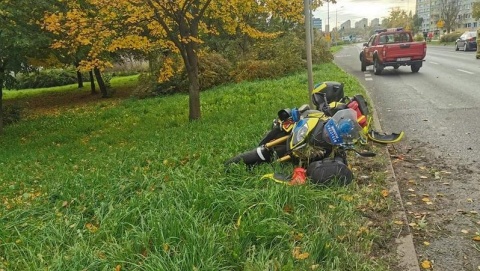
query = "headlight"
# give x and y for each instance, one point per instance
(300, 132)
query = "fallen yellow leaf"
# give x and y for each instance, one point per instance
(385, 193)
(426, 264)
(166, 247)
(426, 199)
(398, 222)
(297, 254)
(476, 238)
(91, 228)
(426, 243)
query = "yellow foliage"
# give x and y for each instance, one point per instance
(426, 264)
(299, 255)
(167, 71)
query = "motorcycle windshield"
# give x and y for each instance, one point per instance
(342, 128)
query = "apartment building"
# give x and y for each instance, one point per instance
(430, 11)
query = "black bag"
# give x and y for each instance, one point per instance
(329, 172)
(331, 90)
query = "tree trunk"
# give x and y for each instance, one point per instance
(194, 90)
(101, 83)
(92, 83)
(190, 58)
(79, 76)
(79, 79)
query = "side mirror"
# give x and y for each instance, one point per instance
(365, 44)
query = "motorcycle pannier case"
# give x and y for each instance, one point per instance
(329, 172)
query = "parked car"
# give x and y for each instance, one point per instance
(467, 41)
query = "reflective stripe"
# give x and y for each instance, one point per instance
(260, 154)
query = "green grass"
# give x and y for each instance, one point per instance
(116, 82)
(140, 187)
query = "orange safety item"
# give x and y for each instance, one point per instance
(361, 119)
(299, 176)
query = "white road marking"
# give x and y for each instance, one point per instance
(465, 71)
(434, 63)
(367, 75)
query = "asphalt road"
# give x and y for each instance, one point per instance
(439, 110)
(439, 105)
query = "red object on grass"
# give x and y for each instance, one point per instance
(299, 176)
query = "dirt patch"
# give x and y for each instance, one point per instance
(52, 103)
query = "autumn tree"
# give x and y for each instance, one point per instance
(184, 24)
(476, 10)
(90, 32)
(449, 10)
(172, 27)
(417, 23)
(399, 18)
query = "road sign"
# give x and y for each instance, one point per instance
(317, 23)
(440, 23)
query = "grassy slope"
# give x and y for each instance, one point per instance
(136, 185)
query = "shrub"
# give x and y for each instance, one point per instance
(47, 78)
(418, 37)
(320, 51)
(214, 70)
(250, 70)
(451, 37)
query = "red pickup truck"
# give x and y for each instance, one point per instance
(392, 47)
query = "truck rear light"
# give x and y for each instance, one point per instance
(471, 39)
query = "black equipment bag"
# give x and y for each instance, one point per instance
(329, 172)
(331, 90)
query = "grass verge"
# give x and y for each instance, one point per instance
(136, 186)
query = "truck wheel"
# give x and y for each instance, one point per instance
(364, 65)
(377, 67)
(415, 67)
(456, 47)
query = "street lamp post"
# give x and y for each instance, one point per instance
(336, 25)
(308, 47)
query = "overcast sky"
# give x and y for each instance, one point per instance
(355, 10)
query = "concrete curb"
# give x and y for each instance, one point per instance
(406, 254)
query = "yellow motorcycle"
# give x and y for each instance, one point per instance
(316, 140)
